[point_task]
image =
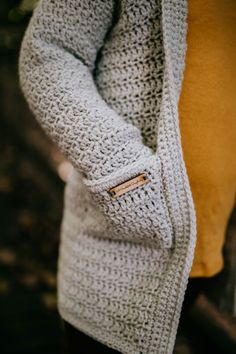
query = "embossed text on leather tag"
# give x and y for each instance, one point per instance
(128, 185)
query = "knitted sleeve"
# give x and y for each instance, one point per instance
(56, 62)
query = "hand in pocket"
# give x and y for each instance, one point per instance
(133, 203)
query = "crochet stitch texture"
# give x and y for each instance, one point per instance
(103, 79)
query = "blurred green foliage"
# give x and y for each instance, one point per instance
(19, 12)
(14, 16)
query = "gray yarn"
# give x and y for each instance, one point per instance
(104, 83)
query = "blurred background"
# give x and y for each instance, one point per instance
(32, 174)
(32, 177)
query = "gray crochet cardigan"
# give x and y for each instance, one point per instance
(103, 79)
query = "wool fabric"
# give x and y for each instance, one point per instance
(103, 79)
(207, 112)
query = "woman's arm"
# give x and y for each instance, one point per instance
(56, 60)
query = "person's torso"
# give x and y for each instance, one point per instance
(207, 114)
(129, 72)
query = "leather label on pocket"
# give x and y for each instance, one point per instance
(128, 185)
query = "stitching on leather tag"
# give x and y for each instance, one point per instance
(128, 185)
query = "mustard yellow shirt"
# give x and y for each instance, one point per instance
(207, 113)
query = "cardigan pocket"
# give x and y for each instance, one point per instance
(133, 204)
